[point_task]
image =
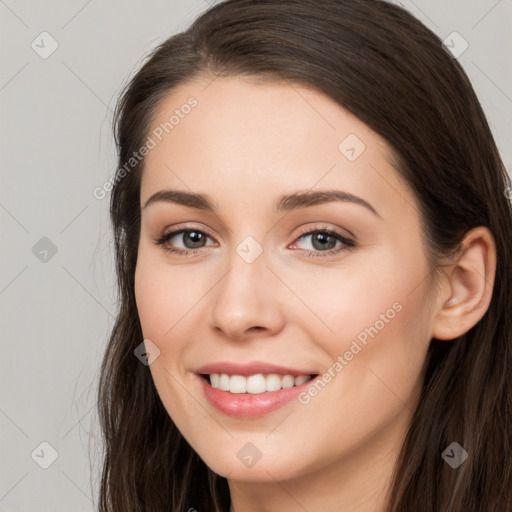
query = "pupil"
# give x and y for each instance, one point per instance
(194, 235)
(324, 237)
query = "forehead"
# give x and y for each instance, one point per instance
(233, 137)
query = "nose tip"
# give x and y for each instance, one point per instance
(246, 302)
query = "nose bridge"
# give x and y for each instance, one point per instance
(246, 296)
(247, 277)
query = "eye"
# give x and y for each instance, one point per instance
(323, 242)
(193, 239)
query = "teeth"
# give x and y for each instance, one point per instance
(255, 384)
(237, 384)
(300, 380)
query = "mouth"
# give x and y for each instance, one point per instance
(255, 384)
(254, 390)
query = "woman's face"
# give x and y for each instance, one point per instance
(268, 285)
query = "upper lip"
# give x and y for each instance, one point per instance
(251, 368)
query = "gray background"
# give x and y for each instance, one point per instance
(56, 146)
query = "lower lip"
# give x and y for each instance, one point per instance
(248, 405)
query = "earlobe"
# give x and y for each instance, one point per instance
(470, 283)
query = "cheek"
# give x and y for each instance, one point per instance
(337, 304)
(374, 319)
(152, 302)
(162, 303)
(380, 289)
(164, 296)
(373, 369)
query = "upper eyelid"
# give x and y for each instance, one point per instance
(180, 229)
(303, 232)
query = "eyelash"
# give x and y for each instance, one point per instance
(348, 244)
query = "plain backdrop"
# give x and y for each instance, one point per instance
(57, 287)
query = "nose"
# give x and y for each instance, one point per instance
(246, 301)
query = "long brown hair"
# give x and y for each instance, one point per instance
(383, 65)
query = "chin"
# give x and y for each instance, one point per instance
(266, 469)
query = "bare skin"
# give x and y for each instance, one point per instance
(245, 145)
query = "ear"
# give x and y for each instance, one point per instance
(469, 283)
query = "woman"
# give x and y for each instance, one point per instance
(313, 253)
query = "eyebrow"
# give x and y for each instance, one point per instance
(286, 203)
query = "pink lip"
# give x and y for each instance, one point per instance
(248, 405)
(251, 369)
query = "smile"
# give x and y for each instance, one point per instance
(255, 384)
(253, 390)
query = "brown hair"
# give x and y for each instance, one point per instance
(383, 65)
